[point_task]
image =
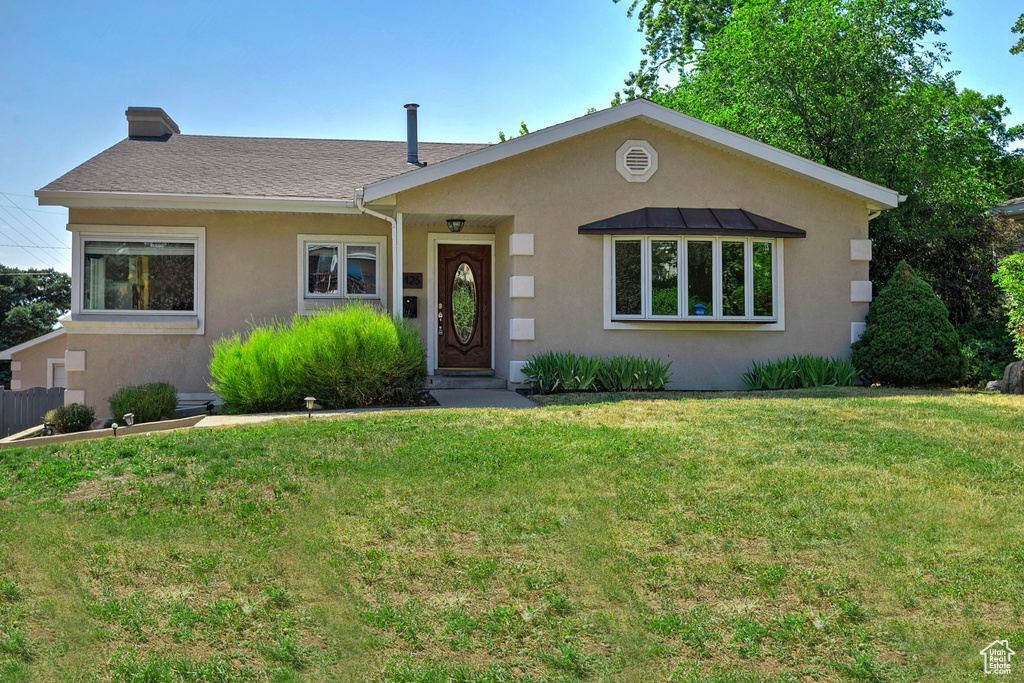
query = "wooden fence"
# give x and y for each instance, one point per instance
(20, 410)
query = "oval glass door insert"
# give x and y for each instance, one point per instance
(464, 303)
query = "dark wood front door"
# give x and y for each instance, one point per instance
(464, 306)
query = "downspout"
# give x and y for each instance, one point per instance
(396, 252)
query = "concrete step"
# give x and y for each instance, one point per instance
(463, 382)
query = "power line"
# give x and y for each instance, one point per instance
(29, 246)
(27, 237)
(59, 237)
(52, 213)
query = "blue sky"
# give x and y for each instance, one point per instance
(338, 70)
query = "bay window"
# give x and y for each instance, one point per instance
(694, 278)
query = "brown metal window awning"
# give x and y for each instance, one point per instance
(719, 222)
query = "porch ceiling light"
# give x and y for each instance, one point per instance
(456, 224)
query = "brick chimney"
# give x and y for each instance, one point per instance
(149, 122)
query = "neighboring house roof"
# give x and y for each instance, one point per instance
(875, 196)
(224, 167)
(1012, 208)
(7, 353)
(668, 221)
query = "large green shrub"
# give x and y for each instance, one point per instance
(1009, 277)
(73, 417)
(148, 402)
(909, 339)
(560, 372)
(988, 347)
(346, 357)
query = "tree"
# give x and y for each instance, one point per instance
(855, 85)
(30, 303)
(1017, 28)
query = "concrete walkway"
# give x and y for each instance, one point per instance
(446, 398)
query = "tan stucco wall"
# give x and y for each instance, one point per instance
(553, 190)
(251, 274)
(33, 361)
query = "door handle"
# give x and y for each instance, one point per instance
(440, 320)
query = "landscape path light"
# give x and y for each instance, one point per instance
(309, 406)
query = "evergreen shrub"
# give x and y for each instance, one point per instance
(346, 357)
(909, 339)
(73, 417)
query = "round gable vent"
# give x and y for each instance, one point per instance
(636, 161)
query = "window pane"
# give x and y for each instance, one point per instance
(733, 302)
(627, 277)
(323, 268)
(665, 278)
(361, 269)
(699, 279)
(139, 276)
(763, 304)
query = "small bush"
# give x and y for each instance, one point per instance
(988, 349)
(73, 417)
(561, 372)
(909, 339)
(346, 357)
(1009, 277)
(148, 402)
(797, 372)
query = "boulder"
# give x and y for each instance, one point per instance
(1013, 378)
(103, 423)
(994, 385)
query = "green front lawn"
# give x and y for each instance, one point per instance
(816, 535)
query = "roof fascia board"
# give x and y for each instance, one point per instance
(6, 353)
(144, 200)
(875, 196)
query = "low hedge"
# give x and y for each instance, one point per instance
(346, 357)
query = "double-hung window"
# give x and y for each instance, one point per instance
(694, 279)
(340, 267)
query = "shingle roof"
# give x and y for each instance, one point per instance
(249, 167)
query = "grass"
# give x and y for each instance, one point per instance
(826, 535)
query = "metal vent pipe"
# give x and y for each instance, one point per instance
(412, 135)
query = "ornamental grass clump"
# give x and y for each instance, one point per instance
(909, 339)
(797, 372)
(346, 357)
(563, 372)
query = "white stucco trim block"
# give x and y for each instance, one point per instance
(515, 371)
(15, 385)
(521, 329)
(860, 250)
(520, 287)
(15, 365)
(520, 244)
(860, 291)
(857, 329)
(74, 396)
(74, 360)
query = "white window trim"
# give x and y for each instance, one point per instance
(310, 304)
(685, 322)
(83, 321)
(51, 363)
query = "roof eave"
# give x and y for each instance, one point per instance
(196, 202)
(7, 353)
(875, 196)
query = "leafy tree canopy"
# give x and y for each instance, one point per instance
(856, 85)
(30, 303)
(1017, 28)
